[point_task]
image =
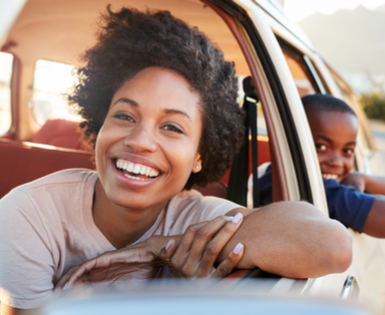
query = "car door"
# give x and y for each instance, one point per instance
(272, 43)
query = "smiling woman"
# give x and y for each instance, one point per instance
(153, 126)
(159, 105)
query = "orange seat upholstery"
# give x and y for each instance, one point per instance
(219, 189)
(22, 162)
(61, 133)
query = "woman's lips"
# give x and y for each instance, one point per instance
(135, 171)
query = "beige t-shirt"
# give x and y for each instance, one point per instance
(46, 226)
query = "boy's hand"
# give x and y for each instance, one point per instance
(355, 179)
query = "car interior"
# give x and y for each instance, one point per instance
(40, 139)
(39, 135)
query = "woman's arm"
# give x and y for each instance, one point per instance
(192, 254)
(292, 239)
(374, 185)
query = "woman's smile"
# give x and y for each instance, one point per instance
(136, 171)
(148, 144)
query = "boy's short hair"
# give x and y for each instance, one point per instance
(325, 103)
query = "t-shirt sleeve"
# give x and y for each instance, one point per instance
(26, 261)
(191, 207)
(347, 205)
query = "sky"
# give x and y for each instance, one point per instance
(297, 10)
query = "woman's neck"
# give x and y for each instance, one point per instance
(122, 226)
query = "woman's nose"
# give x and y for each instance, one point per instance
(141, 139)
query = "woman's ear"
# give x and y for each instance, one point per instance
(197, 167)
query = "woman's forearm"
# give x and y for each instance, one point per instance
(292, 239)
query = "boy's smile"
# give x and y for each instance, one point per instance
(334, 135)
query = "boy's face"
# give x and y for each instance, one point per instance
(334, 136)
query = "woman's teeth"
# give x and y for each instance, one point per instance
(329, 176)
(136, 169)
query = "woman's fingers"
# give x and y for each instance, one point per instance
(119, 263)
(203, 243)
(83, 269)
(64, 279)
(215, 246)
(181, 253)
(196, 254)
(167, 251)
(227, 266)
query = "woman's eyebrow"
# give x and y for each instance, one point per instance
(177, 112)
(126, 100)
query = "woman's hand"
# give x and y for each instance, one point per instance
(140, 261)
(190, 255)
(199, 249)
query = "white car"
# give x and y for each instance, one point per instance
(44, 37)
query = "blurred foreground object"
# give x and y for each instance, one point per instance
(198, 297)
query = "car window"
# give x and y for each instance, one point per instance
(52, 81)
(299, 67)
(6, 64)
(352, 101)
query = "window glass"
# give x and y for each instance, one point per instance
(351, 100)
(52, 80)
(6, 63)
(299, 70)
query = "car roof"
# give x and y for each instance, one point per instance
(65, 29)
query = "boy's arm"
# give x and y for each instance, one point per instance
(375, 222)
(374, 185)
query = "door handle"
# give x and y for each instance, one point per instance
(350, 288)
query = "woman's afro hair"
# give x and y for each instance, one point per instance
(130, 41)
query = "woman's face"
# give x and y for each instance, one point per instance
(148, 144)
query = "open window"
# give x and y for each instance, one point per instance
(6, 66)
(59, 126)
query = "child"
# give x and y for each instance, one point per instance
(350, 196)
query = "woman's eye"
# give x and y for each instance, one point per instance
(124, 117)
(320, 146)
(173, 128)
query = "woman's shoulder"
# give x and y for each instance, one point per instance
(48, 191)
(194, 199)
(69, 176)
(189, 207)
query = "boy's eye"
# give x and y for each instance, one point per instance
(172, 128)
(349, 151)
(320, 146)
(123, 116)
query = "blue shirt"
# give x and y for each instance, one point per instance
(346, 204)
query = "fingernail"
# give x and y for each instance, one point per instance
(168, 244)
(237, 249)
(65, 286)
(237, 218)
